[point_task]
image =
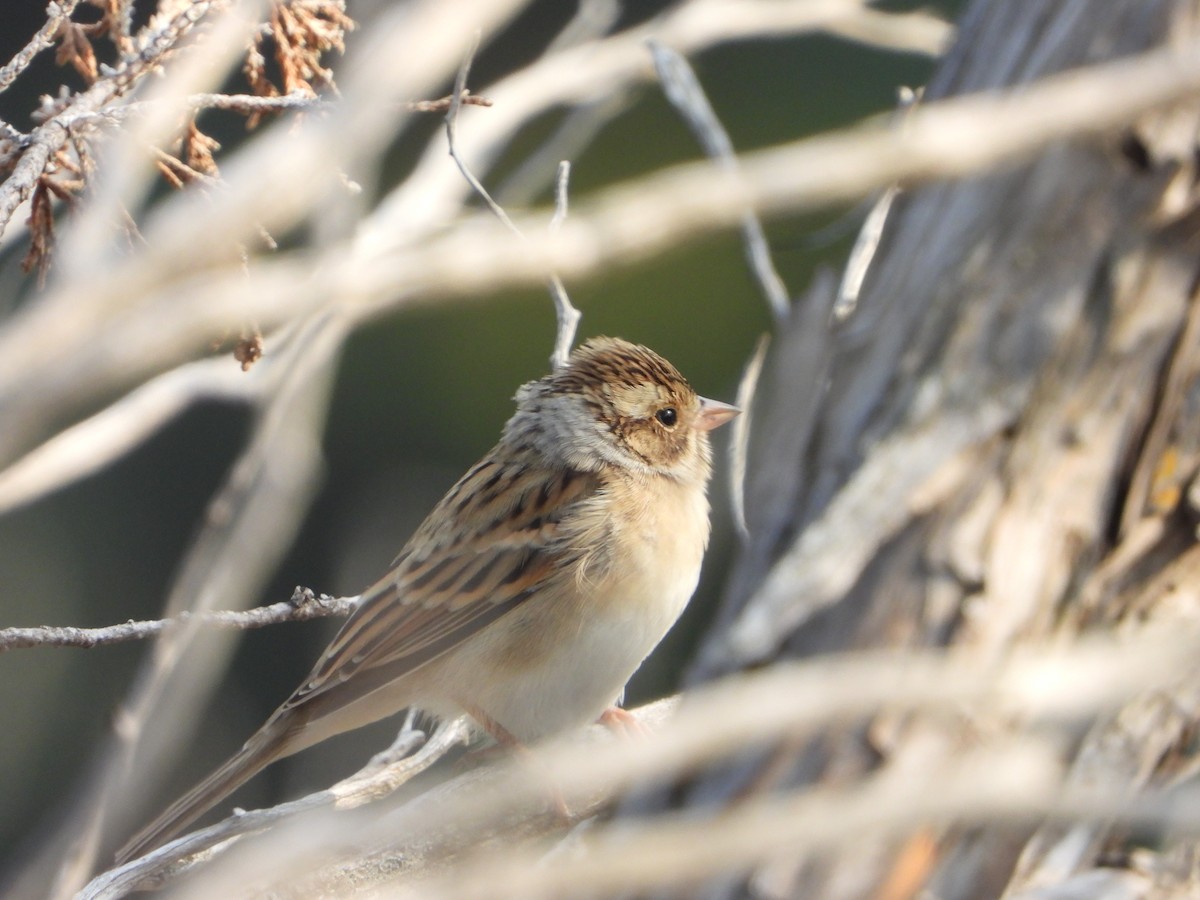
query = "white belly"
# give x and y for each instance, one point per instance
(583, 680)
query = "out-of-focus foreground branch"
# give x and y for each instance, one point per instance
(445, 839)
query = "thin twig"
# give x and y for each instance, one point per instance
(568, 316)
(867, 241)
(302, 607)
(739, 444)
(443, 104)
(456, 101)
(683, 89)
(861, 254)
(176, 170)
(385, 772)
(561, 199)
(56, 15)
(251, 103)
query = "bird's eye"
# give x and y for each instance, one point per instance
(667, 416)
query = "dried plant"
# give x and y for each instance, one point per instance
(299, 35)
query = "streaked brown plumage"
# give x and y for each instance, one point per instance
(535, 588)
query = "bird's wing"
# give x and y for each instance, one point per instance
(504, 532)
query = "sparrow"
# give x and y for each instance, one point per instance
(534, 589)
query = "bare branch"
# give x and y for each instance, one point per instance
(53, 135)
(247, 104)
(412, 753)
(259, 509)
(683, 89)
(1005, 780)
(57, 15)
(867, 241)
(595, 71)
(444, 104)
(302, 607)
(15, 139)
(1008, 785)
(396, 766)
(252, 103)
(270, 184)
(567, 314)
(944, 139)
(95, 442)
(861, 254)
(456, 102)
(739, 444)
(965, 135)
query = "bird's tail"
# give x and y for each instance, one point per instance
(266, 746)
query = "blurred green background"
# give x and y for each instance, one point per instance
(420, 395)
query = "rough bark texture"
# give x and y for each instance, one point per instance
(995, 450)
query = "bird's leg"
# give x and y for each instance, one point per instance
(623, 722)
(506, 738)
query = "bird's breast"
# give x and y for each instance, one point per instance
(659, 533)
(560, 659)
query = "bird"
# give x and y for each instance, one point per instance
(534, 589)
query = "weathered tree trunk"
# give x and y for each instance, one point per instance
(994, 450)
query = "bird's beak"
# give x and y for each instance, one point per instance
(714, 414)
